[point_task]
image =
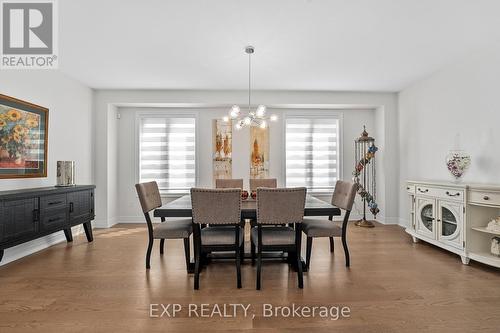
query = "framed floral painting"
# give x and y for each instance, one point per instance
(23, 139)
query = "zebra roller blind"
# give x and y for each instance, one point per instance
(312, 153)
(167, 152)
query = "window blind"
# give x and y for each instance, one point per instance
(167, 152)
(312, 153)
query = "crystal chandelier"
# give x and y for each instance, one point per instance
(253, 118)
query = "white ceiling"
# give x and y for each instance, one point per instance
(363, 45)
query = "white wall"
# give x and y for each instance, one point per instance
(70, 128)
(128, 205)
(107, 100)
(461, 99)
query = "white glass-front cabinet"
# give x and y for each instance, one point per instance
(438, 215)
(455, 218)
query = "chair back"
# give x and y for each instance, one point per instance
(229, 183)
(280, 205)
(149, 196)
(216, 206)
(344, 194)
(269, 183)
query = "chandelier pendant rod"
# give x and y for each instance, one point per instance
(249, 79)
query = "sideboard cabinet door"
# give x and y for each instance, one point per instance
(20, 218)
(80, 206)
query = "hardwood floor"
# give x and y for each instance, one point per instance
(392, 285)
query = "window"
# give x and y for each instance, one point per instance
(167, 152)
(312, 152)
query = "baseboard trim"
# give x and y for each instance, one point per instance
(39, 244)
(105, 223)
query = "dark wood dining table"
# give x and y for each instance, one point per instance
(181, 207)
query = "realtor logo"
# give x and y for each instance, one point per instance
(29, 37)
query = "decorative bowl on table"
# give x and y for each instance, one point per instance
(244, 195)
(254, 195)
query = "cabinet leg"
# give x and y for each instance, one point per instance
(415, 239)
(465, 260)
(1, 255)
(68, 234)
(88, 231)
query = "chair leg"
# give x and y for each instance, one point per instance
(187, 254)
(259, 256)
(332, 246)
(238, 267)
(242, 253)
(162, 245)
(197, 252)
(298, 246)
(300, 273)
(252, 251)
(259, 267)
(197, 269)
(346, 249)
(148, 253)
(308, 251)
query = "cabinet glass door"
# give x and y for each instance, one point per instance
(451, 219)
(426, 216)
(449, 222)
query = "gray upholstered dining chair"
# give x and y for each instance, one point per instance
(216, 207)
(149, 196)
(269, 183)
(229, 183)
(279, 207)
(343, 198)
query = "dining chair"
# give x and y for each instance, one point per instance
(149, 197)
(269, 183)
(343, 198)
(279, 207)
(216, 208)
(229, 183)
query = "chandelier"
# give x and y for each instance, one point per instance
(255, 117)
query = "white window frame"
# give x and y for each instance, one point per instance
(139, 115)
(315, 114)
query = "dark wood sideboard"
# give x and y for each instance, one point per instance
(28, 214)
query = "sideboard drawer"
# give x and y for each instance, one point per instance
(57, 201)
(441, 193)
(54, 219)
(485, 197)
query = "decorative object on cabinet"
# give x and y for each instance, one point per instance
(457, 162)
(223, 149)
(259, 158)
(65, 173)
(495, 246)
(23, 139)
(456, 217)
(33, 213)
(364, 175)
(494, 225)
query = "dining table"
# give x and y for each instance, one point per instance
(181, 207)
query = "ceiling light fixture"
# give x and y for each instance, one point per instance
(253, 118)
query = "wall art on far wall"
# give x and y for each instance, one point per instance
(23, 139)
(259, 157)
(223, 148)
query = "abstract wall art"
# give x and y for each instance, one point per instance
(223, 147)
(259, 156)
